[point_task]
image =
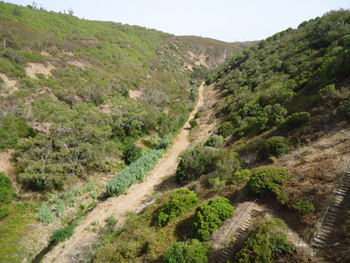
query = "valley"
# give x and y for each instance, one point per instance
(121, 143)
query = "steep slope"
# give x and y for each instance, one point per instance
(84, 239)
(290, 93)
(79, 99)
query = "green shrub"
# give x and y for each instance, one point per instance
(228, 164)
(89, 186)
(274, 146)
(112, 221)
(192, 251)
(12, 129)
(198, 114)
(215, 141)
(194, 163)
(305, 208)
(136, 171)
(328, 92)
(180, 201)
(131, 153)
(70, 198)
(266, 180)
(7, 192)
(226, 129)
(45, 215)
(40, 75)
(62, 234)
(266, 243)
(165, 142)
(240, 177)
(60, 207)
(4, 211)
(193, 123)
(210, 216)
(295, 120)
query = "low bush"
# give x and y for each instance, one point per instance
(226, 129)
(266, 180)
(192, 251)
(165, 142)
(181, 200)
(228, 165)
(195, 163)
(210, 216)
(193, 123)
(328, 92)
(240, 177)
(136, 171)
(6, 190)
(295, 120)
(215, 141)
(305, 208)
(11, 129)
(62, 234)
(198, 114)
(266, 243)
(45, 215)
(131, 153)
(274, 146)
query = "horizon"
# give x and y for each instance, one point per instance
(200, 18)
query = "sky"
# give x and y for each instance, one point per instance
(227, 20)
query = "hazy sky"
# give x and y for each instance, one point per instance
(228, 20)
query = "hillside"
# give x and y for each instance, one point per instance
(79, 101)
(114, 150)
(272, 137)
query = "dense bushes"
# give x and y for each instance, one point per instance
(6, 195)
(193, 123)
(181, 200)
(192, 251)
(6, 190)
(273, 146)
(305, 208)
(45, 215)
(266, 180)
(215, 141)
(131, 153)
(136, 171)
(165, 142)
(266, 243)
(295, 120)
(209, 217)
(226, 129)
(196, 162)
(62, 234)
(11, 129)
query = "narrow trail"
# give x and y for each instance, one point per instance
(83, 239)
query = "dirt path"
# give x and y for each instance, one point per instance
(83, 239)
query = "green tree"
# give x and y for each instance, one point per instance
(181, 200)
(210, 216)
(266, 180)
(266, 243)
(192, 251)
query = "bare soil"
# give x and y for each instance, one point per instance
(210, 121)
(34, 68)
(83, 239)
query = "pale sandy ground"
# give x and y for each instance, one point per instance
(83, 239)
